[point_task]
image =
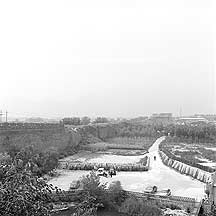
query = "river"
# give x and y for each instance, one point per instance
(159, 174)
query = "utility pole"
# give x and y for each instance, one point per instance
(180, 112)
(1, 114)
(6, 116)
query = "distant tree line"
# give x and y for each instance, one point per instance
(83, 121)
(126, 129)
(180, 133)
(190, 133)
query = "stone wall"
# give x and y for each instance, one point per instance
(53, 136)
(101, 131)
(42, 140)
(6, 127)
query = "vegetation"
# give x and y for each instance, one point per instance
(116, 195)
(85, 120)
(192, 134)
(126, 143)
(22, 193)
(39, 163)
(91, 184)
(142, 166)
(126, 129)
(60, 141)
(139, 207)
(140, 143)
(189, 157)
(101, 120)
(71, 121)
(201, 135)
(108, 199)
(181, 133)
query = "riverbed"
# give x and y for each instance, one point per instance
(159, 174)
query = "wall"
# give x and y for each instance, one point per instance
(101, 131)
(53, 136)
(42, 140)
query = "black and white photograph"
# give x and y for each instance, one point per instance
(108, 108)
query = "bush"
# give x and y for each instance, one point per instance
(138, 207)
(21, 193)
(91, 184)
(116, 195)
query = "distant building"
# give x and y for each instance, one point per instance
(209, 117)
(192, 120)
(71, 121)
(163, 118)
(140, 119)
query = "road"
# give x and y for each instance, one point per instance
(154, 152)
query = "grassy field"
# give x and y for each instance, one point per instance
(128, 142)
(195, 153)
(121, 143)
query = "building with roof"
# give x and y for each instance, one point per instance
(162, 118)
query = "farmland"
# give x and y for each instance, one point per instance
(201, 155)
(121, 145)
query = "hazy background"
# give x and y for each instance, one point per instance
(111, 58)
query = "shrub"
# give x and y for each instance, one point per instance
(116, 195)
(138, 207)
(91, 184)
(22, 193)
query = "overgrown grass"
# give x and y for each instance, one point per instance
(189, 153)
(138, 143)
(132, 142)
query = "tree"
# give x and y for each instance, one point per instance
(85, 120)
(138, 207)
(116, 195)
(50, 161)
(101, 120)
(86, 207)
(99, 196)
(71, 121)
(39, 162)
(21, 193)
(93, 197)
(10, 148)
(91, 184)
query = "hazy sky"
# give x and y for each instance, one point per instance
(111, 58)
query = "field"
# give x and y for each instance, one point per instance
(195, 154)
(125, 154)
(121, 146)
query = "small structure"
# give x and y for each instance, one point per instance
(191, 121)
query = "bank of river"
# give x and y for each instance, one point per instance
(159, 174)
